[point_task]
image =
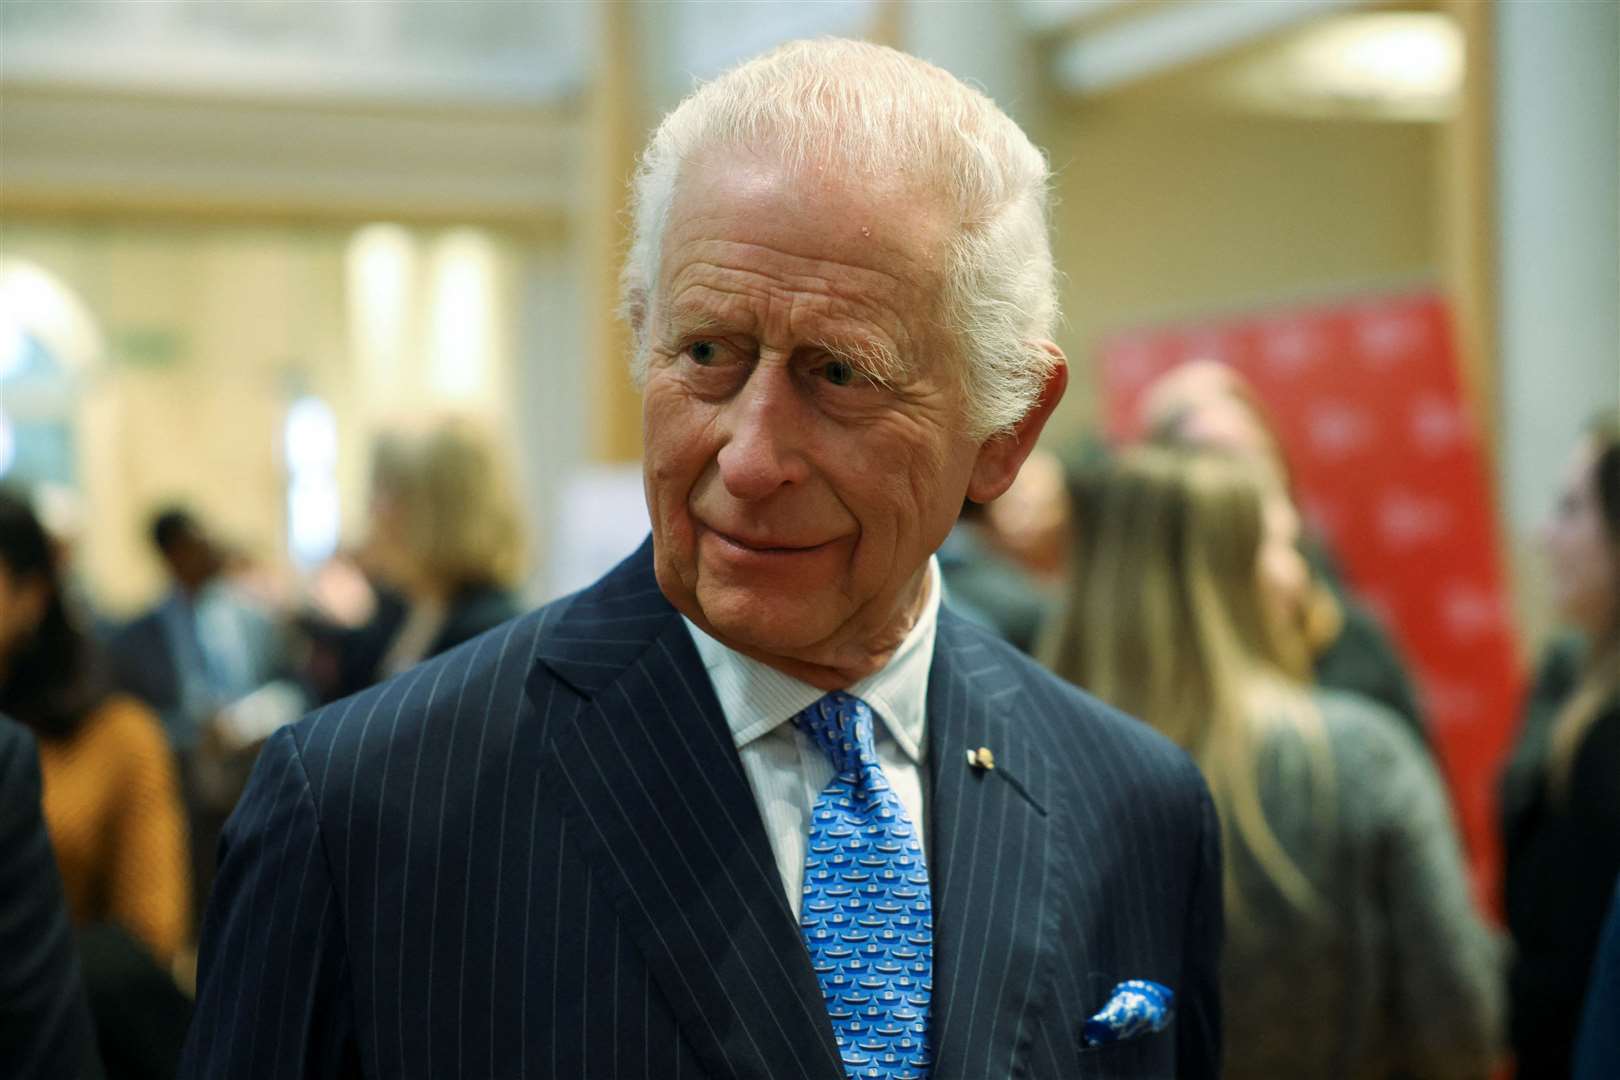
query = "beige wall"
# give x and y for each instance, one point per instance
(212, 329)
(1165, 212)
(207, 331)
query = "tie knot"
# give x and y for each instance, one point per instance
(841, 725)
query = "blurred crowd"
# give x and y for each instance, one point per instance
(148, 729)
(1173, 579)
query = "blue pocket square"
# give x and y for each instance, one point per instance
(1136, 1007)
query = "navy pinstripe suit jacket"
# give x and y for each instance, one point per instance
(539, 856)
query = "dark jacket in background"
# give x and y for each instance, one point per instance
(1597, 1054)
(144, 661)
(1562, 855)
(355, 657)
(141, 1016)
(987, 588)
(1364, 659)
(143, 665)
(45, 1027)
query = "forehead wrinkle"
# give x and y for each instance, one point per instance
(682, 320)
(847, 281)
(744, 256)
(709, 296)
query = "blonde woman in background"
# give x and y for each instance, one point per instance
(444, 550)
(1206, 405)
(1352, 946)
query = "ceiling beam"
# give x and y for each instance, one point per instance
(1166, 37)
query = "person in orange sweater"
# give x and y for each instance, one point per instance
(111, 801)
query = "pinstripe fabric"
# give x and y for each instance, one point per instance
(538, 856)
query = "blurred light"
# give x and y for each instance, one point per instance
(1392, 65)
(311, 435)
(381, 263)
(1402, 60)
(8, 444)
(463, 315)
(310, 451)
(312, 514)
(33, 304)
(13, 340)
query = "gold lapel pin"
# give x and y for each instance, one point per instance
(981, 758)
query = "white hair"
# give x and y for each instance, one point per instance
(876, 112)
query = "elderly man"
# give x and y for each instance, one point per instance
(752, 805)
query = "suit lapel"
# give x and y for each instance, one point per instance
(651, 788)
(990, 859)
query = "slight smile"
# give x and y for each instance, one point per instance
(765, 546)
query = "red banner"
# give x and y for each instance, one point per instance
(1389, 468)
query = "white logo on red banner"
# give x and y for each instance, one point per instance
(1339, 430)
(1470, 611)
(1408, 521)
(1438, 425)
(1291, 347)
(1387, 338)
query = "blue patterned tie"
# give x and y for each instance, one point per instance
(867, 916)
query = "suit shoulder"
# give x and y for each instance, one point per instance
(1078, 723)
(1064, 702)
(457, 696)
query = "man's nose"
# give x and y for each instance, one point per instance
(762, 450)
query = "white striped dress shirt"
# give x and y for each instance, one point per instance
(786, 770)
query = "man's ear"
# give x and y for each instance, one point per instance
(1001, 456)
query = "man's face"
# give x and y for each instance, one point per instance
(794, 501)
(193, 559)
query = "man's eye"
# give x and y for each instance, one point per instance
(703, 353)
(838, 372)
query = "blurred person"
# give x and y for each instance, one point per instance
(609, 839)
(110, 791)
(205, 645)
(1352, 947)
(1207, 404)
(110, 802)
(1004, 562)
(214, 663)
(444, 550)
(1030, 521)
(1560, 793)
(62, 514)
(986, 586)
(45, 1027)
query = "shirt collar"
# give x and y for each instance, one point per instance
(757, 698)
